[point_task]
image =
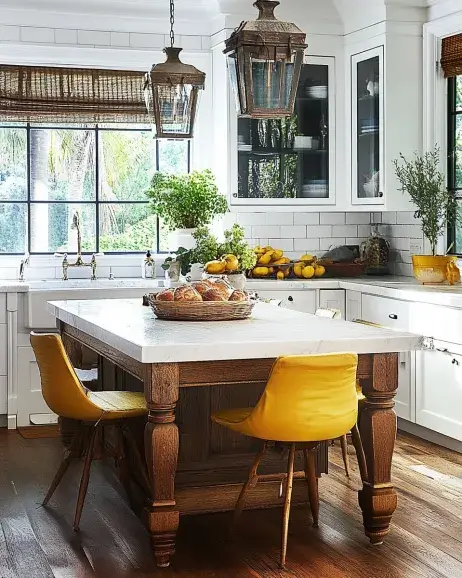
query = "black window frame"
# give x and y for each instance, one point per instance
(453, 113)
(96, 202)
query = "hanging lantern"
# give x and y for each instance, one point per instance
(172, 92)
(265, 59)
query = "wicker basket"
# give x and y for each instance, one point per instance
(202, 310)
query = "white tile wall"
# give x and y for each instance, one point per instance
(403, 231)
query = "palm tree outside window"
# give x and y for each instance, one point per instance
(46, 172)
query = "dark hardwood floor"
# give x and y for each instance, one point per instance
(425, 540)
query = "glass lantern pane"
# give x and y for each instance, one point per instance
(272, 83)
(233, 78)
(176, 104)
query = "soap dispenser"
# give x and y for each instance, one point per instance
(148, 267)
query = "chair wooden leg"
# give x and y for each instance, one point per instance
(85, 477)
(358, 445)
(346, 459)
(122, 461)
(251, 481)
(287, 501)
(72, 453)
(312, 481)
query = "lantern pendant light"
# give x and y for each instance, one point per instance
(265, 59)
(172, 92)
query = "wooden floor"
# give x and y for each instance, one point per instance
(425, 540)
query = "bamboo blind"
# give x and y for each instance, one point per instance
(451, 56)
(82, 95)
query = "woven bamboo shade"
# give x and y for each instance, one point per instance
(82, 95)
(451, 56)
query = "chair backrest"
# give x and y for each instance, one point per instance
(308, 398)
(61, 388)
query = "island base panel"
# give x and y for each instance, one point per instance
(212, 462)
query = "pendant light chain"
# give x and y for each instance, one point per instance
(172, 22)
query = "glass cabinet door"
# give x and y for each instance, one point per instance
(291, 160)
(367, 127)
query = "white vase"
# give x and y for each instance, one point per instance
(238, 281)
(181, 238)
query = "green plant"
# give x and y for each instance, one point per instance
(425, 184)
(186, 201)
(208, 248)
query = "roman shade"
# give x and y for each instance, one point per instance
(451, 56)
(81, 95)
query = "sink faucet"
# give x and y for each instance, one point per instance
(79, 262)
(22, 266)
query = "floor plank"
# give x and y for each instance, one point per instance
(425, 540)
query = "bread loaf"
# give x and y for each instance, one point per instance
(238, 295)
(186, 293)
(214, 294)
(165, 295)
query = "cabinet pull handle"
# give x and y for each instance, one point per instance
(380, 195)
(393, 316)
(290, 298)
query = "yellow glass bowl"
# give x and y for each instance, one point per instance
(431, 268)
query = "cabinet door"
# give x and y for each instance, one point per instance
(332, 299)
(353, 305)
(32, 408)
(291, 161)
(439, 390)
(367, 127)
(304, 301)
(405, 396)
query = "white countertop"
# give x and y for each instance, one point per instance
(271, 331)
(404, 288)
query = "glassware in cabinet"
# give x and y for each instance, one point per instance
(291, 161)
(367, 127)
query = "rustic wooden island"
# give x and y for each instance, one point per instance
(190, 369)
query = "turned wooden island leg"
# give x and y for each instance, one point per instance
(161, 445)
(378, 497)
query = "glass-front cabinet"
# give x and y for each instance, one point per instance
(291, 161)
(367, 127)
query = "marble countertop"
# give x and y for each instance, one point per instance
(271, 331)
(13, 287)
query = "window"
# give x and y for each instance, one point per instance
(455, 155)
(103, 171)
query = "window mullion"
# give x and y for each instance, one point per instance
(98, 188)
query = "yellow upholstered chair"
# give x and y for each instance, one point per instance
(66, 396)
(307, 399)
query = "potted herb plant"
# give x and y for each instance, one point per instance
(436, 207)
(185, 202)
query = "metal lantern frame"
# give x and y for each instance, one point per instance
(270, 39)
(173, 75)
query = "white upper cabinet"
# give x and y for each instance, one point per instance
(383, 114)
(290, 161)
(367, 126)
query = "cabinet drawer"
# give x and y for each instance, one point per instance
(304, 301)
(387, 312)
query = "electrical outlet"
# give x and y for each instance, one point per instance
(416, 248)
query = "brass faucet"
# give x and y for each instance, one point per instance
(79, 262)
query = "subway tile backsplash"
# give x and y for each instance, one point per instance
(295, 233)
(316, 232)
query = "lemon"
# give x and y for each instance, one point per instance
(278, 253)
(319, 271)
(298, 268)
(280, 276)
(260, 271)
(308, 272)
(266, 258)
(306, 257)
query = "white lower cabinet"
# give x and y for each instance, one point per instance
(332, 299)
(439, 389)
(394, 314)
(32, 408)
(304, 301)
(353, 305)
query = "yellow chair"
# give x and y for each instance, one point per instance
(308, 399)
(66, 396)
